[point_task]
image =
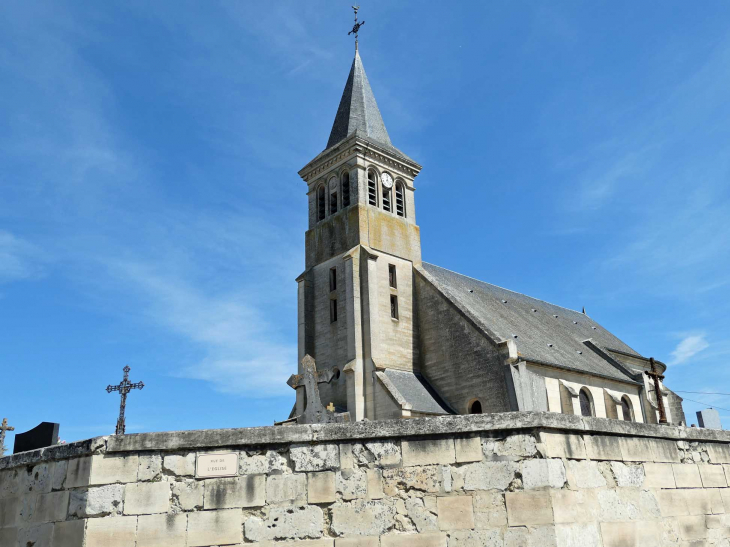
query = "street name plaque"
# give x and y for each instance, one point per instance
(216, 465)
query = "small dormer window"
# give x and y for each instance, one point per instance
(345, 189)
(372, 188)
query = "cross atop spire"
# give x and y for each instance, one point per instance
(356, 26)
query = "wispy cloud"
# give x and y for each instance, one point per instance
(19, 259)
(244, 352)
(201, 258)
(688, 347)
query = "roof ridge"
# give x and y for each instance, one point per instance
(509, 290)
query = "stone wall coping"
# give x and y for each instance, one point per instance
(205, 439)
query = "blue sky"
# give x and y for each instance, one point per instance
(151, 213)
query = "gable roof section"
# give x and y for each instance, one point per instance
(413, 388)
(543, 332)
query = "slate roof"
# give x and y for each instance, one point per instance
(359, 113)
(414, 389)
(543, 332)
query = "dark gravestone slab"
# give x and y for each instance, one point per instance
(42, 435)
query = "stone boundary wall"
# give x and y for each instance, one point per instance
(507, 480)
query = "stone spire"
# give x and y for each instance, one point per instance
(358, 111)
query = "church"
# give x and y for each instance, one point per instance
(401, 338)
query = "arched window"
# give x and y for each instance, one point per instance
(372, 188)
(333, 195)
(345, 189)
(475, 407)
(586, 403)
(320, 203)
(400, 204)
(626, 410)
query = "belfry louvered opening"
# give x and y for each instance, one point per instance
(386, 200)
(333, 195)
(345, 189)
(320, 203)
(372, 188)
(400, 204)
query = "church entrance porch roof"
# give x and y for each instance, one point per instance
(413, 389)
(543, 333)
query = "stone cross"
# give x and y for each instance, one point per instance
(659, 399)
(3, 428)
(124, 387)
(309, 379)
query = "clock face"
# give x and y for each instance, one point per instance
(387, 180)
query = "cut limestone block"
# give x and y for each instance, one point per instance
(321, 487)
(146, 498)
(432, 451)
(528, 508)
(162, 530)
(247, 491)
(110, 469)
(687, 475)
(215, 528)
(455, 513)
(111, 532)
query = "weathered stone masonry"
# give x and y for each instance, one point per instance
(514, 479)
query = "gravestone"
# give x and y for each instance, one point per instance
(709, 419)
(42, 435)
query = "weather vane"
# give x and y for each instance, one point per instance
(356, 26)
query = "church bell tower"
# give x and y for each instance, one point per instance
(356, 313)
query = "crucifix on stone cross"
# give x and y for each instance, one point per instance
(659, 398)
(3, 428)
(124, 387)
(309, 379)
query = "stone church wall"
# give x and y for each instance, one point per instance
(513, 479)
(458, 361)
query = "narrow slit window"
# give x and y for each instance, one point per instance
(392, 278)
(320, 203)
(333, 203)
(386, 200)
(333, 311)
(333, 279)
(400, 204)
(394, 306)
(345, 190)
(372, 189)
